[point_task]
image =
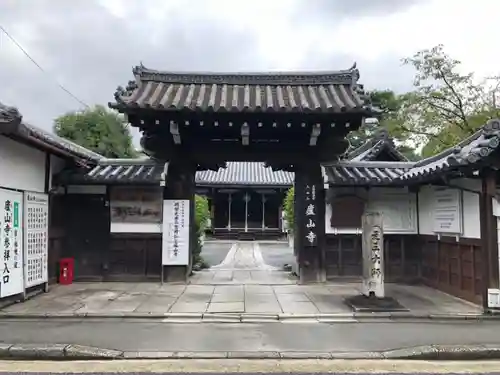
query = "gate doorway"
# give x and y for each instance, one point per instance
(287, 121)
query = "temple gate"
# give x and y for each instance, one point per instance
(290, 121)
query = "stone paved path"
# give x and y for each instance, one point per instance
(241, 283)
(243, 264)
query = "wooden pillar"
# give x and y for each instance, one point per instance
(229, 204)
(309, 233)
(180, 184)
(263, 196)
(489, 246)
(246, 197)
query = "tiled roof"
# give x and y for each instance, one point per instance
(374, 147)
(336, 91)
(116, 171)
(11, 123)
(469, 152)
(148, 171)
(245, 173)
(365, 172)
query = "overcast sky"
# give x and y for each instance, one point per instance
(90, 46)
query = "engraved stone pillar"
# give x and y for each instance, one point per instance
(373, 255)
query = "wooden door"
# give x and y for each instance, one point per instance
(87, 239)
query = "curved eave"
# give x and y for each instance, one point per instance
(130, 108)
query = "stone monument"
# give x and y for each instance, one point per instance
(373, 255)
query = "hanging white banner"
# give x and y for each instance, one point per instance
(11, 243)
(36, 238)
(175, 237)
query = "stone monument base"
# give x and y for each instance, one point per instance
(362, 303)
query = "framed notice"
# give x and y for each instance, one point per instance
(11, 243)
(175, 241)
(135, 205)
(36, 238)
(398, 208)
(447, 211)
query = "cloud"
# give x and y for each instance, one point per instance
(339, 10)
(90, 46)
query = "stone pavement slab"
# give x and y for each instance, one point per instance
(241, 283)
(289, 299)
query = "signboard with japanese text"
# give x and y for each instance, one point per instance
(311, 214)
(11, 243)
(36, 238)
(175, 241)
(135, 205)
(447, 211)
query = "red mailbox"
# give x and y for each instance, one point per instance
(66, 271)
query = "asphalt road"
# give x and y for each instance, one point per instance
(135, 335)
(238, 373)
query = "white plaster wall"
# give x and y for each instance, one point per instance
(425, 216)
(470, 209)
(470, 202)
(371, 196)
(136, 227)
(21, 167)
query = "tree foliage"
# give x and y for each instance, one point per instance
(389, 103)
(288, 207)
(97, 129)
(446, 105)
(201, 217)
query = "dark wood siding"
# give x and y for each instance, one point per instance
(87, 239)
(453, 267)
(57, 234)
(134, 257)
(402, 257)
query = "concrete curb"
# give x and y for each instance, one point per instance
(56, 352)
(259, 318)
(79, 352)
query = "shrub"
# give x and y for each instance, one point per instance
(201, 216)
(288, 206)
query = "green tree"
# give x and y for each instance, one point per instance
(384, 100)
(97, 129)
(201, 216)
(389, 103)
(288, 207)
(446, 105)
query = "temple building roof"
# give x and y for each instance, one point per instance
(380, 147)
(472, 151)
(148, 171)
(362, 173)
(332, 92)
(469, 155)
(11, 123)
(245, 173)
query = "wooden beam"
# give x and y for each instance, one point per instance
(245, 134)
(316, 131)
(489, 246)
(174, 130)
